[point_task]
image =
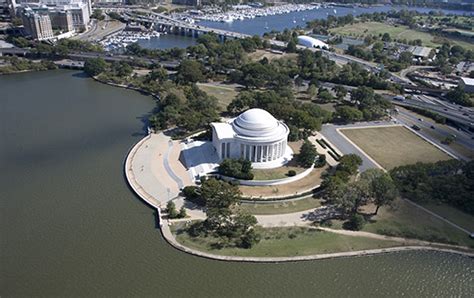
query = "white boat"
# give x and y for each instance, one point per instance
(228, 19)
(266, 26)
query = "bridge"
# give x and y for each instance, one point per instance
(164, 23)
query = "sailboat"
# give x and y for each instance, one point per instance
(266, 26)
(294, 21)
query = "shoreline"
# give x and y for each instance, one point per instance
(171, 239)
(148, 93)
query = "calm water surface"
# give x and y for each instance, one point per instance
(70, 226)
(260, 25)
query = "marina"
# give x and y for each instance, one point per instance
(122, 39)
(244, 12)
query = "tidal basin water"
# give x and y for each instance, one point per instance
(70, 226)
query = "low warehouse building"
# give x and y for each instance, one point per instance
(467, 84)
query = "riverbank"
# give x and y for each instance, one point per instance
(171, 239)
(143, 91)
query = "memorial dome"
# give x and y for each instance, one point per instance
(257, 123)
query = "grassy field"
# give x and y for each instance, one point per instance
(394, 146)
(224, 94)
(407, 221)
(260, 54)
(396, 32)
(282, 242)
(452, 214)
(293, 188)
(281, 207)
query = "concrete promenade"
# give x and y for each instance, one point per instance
(151, 172)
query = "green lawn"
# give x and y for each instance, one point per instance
(281, 208)
(283, 242)
(405, 220)
(396, 32)
(224, 94)
(277, 173)
(394, 146)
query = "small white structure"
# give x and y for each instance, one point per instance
(466, 84)
(254, 135)
(311, 42)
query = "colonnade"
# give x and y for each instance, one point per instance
(263, 153)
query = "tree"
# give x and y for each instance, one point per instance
(237, 168)
(348, 197)
(348, 114)
(348, 164)
(382, 189)
(307, 154)
(459, 96)
(312, 90)
(219, 196)
(171, 210)
(158, 74)
(182, 212)
(386, 37)
(341, 92)
(405, 57)
(97, 14)
(122, 69)
(95, 66)
(190, 71)
(291, 46)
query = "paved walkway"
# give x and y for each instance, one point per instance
(154, 171)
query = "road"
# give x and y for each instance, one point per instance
(101, 29)
(461, 115)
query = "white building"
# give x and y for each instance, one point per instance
(254, 135)
(311, 42)
(466, 84)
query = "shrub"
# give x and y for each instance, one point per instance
(326, 223)
(291, 173)
(171, 210)
(355, 223)
(320, 161)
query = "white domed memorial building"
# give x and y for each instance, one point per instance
(254, 135)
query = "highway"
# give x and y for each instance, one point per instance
(436, 132)
(461, 115)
